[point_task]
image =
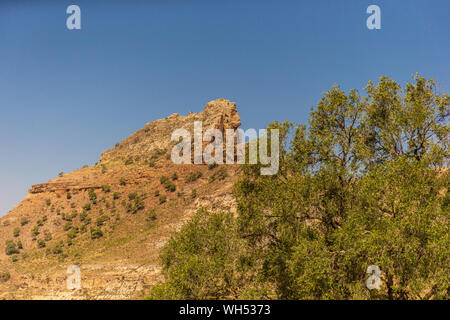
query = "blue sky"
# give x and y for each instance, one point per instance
(66, 96)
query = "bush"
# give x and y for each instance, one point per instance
(135, 204)
(122, 182)
(212, 165)
(156, 193)
(4, 276)
(193, 176)
(106, 188)
(48, 202)
(72, 234)
(220, 174)
(129, 161)
(174, 176)
(67, 226)
(16, 232)
(23, 221)
(35, 232)
(96, 233)
(163, 179)
(48, 236)
(170, 186)
(196, 259)
(101, 220)
(19, 244)
(194, 194)
(14, 258)
(132, 196)
(83, 215)
(87, 206)
(11, 248)
(92, 195)
(41, 243)
(57, 249)
(116, 195)
(68, 196)
(162, 199)
(151, 215)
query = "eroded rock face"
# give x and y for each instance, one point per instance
(156, 136)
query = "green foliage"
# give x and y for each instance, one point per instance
(87, 207)
(170, 186)
(212, 166)
(67, 226)
(5, 276)
(116, 195)
(68, 196)
(156, 193)
(41, 243)
(96, 233)
(11, 248)
(19, 245)
(136, 203)
(122, 181)
(129, 161)
(92, 195)
(24, 221)
(101, 220)
(366, 183)
(16, 232)
(174, 176)
(203, 260)
(35, 232)
(162, 199)
(72, 233)
(194, 194)
(83, 216)
(56, 250)
(151, 215)
(193, 176)
(219, 174)
(48, 236)
(106, 188)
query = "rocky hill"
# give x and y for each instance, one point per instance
(111, 219)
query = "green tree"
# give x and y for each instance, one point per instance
(365, 183)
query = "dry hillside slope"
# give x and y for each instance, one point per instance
(111, 219)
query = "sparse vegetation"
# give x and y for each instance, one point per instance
(11, 248)
(23, 221)
(96, 233)
(162, 199)
(219, 174)
(193, 176)
(5, 276)
(41, 243)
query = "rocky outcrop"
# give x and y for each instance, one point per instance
(156, 136)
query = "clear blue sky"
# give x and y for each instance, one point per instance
(66, 96)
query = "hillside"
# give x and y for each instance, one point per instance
(112, 218)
